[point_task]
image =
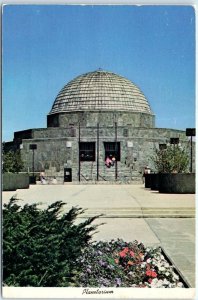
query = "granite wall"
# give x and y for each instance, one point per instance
(107, 118)
(57, 148)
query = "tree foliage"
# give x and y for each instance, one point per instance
(172, 159)
(40, 247)
(12, 162)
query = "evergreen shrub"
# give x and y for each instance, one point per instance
(12, 162)
(40, 247)
(173, 159)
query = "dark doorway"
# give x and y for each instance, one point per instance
(67, 175)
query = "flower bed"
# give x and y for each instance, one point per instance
(121, 264)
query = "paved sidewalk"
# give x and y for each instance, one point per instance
(113, 200)
(131, 212)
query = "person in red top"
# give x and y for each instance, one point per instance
(108, 162)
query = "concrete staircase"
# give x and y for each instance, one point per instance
(144, 212)
(108, 176)
(125, 175)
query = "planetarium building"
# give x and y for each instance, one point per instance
(100, 129)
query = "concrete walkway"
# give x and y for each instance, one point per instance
(130, 212)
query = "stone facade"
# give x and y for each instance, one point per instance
(58, 148)
(107, 118)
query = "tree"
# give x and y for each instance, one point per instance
(40, 247)
(12, 161)
(172, 159)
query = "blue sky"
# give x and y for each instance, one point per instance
(44, 47)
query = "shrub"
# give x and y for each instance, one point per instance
(40, 247)
(172, 159)
(12, 162)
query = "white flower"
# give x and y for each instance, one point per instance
(166, 265)
(162, 257)
(167, 273)
(159, 265)
(155, 262)
(153, 284)
(148, 260)
(180, 284)
(175, 276)
(159, 283)
(166, 281)
(162, 269)
(131, 273)
(143, 265)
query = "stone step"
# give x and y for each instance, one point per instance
(112, 181)
(140, 212)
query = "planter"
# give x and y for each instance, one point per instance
(12, 182)
(177, 183)
(32, 179)
(154, 182)
(147, 182)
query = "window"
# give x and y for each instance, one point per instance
(125, 132)
(72, 130)
(112, 149)
(162, 146)
(87, 151)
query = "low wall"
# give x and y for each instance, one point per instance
(12, 182)
(179, 183)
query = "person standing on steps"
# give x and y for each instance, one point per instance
(108, 162)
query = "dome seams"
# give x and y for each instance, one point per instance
(100, 90)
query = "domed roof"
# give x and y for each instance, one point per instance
(100, 91)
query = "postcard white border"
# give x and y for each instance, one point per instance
(118, 293)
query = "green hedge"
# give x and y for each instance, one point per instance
(40, 247)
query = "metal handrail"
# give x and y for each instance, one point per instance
(84, 177)
(102, 177)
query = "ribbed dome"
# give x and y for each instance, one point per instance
(100, 91)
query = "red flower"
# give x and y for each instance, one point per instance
(132, 253)
(126, 250)
(122, 253)
(148, 272)
(151, 273)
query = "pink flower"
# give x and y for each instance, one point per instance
(132, 253)
(122, 254)
(126, 250)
